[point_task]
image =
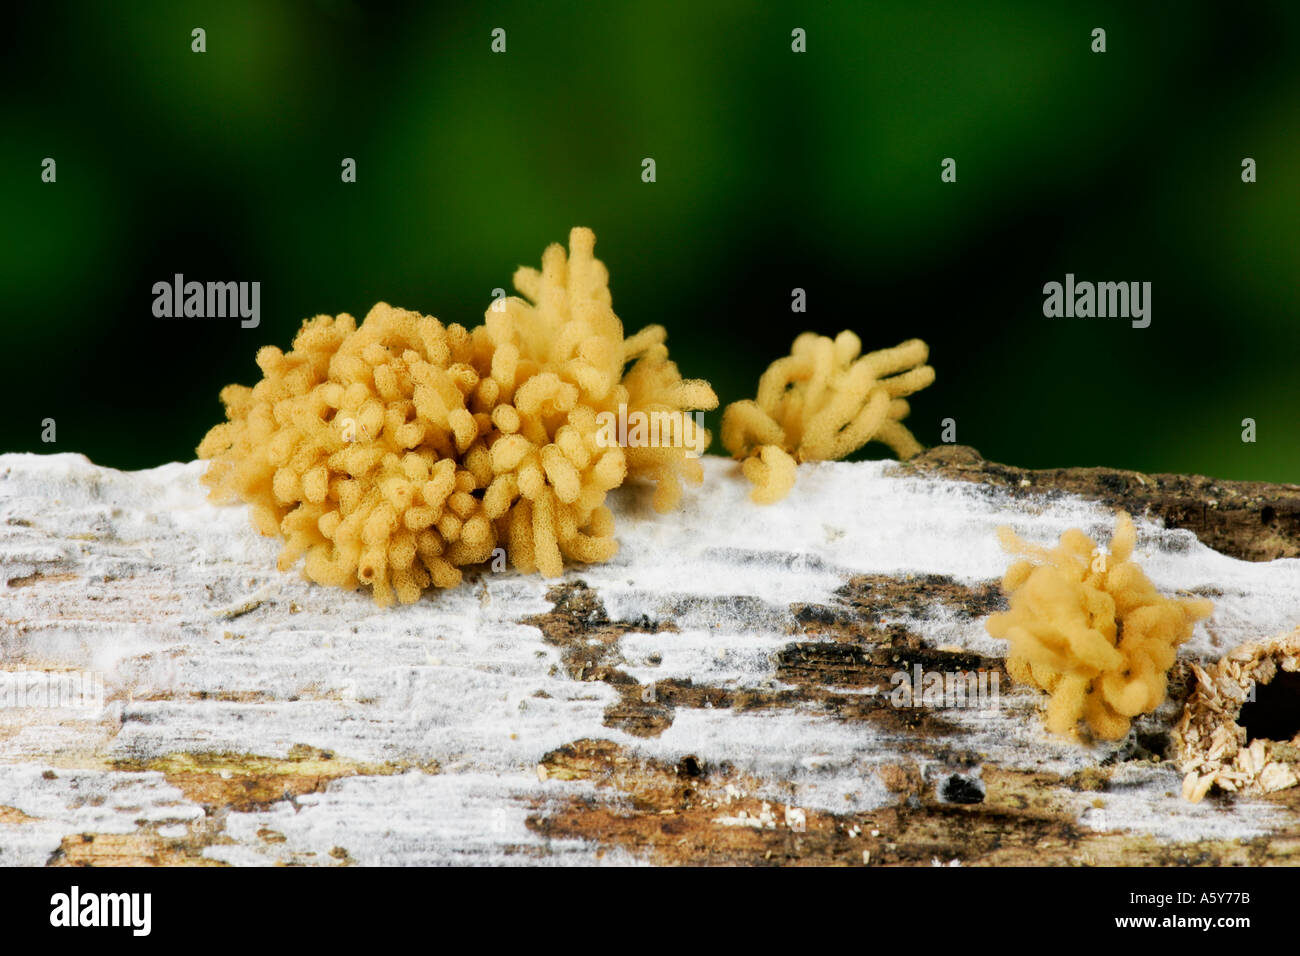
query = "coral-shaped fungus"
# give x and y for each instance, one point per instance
(822, 402)
(396, 452)
(1091, 629)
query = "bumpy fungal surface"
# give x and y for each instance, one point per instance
(822, 402)
(1091, 629)
(394, 453)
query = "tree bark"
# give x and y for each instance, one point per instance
(721, 692)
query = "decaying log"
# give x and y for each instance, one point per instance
(719, 693)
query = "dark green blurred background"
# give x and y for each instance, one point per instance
(775, 170)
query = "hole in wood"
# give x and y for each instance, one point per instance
(1274, 714)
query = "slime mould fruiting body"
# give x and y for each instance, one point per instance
(1091, 629)
(393, 453)
(822, 402)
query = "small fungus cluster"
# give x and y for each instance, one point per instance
(822, 402)
(393, 453)
(1091, 629)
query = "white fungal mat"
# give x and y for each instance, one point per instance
(203, 647)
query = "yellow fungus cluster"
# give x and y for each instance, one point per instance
(394, 453)
(1091, 630)
(822, 402)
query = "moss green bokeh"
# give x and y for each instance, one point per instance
(775, 170)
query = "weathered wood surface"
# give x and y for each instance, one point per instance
(717, 694)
